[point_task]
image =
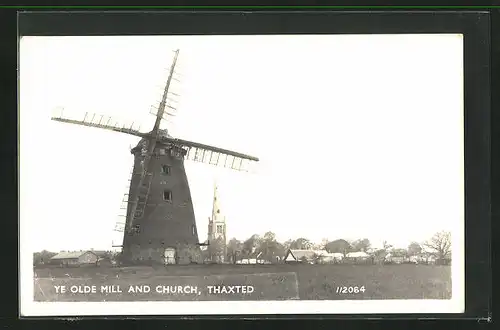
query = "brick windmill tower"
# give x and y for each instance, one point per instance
(160, 224)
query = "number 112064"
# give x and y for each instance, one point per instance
(350, 289)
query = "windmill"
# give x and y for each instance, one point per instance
(160, 222)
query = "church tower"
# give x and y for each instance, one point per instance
(217, 230)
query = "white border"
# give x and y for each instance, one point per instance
(242, 307)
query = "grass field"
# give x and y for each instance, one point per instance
(270, 282)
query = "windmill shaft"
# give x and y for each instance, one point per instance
(201, 146)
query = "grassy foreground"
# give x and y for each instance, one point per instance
(269, 282)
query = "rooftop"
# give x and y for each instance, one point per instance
(69, 255)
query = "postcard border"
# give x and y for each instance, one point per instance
(474, 26)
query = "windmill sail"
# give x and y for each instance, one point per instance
(207, 154)
(103, 122)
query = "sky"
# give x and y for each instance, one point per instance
(358, 136)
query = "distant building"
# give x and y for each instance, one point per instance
(252, 261)
(299, 255)
(75, 258)
(359, 254)
(100, 254)
(358, 257)
(217, 230)
(103, 257)
(416, 259)
(311, 256)
(328, 258)
(397, 259)
(429, 258)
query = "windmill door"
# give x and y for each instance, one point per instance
(169, 256)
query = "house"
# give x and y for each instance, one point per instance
(104, 258)
(252, 261)
(100, 254)
(358, 257)
(299, 255)
(323, 257)
(416, 259)
(311, 256)
(75, 258)
(395, 258)
(429, 258)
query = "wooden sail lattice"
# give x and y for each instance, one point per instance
(100, 121)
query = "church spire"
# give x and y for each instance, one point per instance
(217, 230)
(216, 211)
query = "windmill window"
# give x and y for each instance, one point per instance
(193, 229)
(219, 229)
(167, 195)
(218, 211)
(165, 169)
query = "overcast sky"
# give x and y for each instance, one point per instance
(358, 136)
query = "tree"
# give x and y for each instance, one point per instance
(42, 257)
(379, 255)
(301, 244)
(321, 245)
(270, 236)
(234, 247)
(399, 252)
(338, 246)
(117, 258)
(269, 247)
(216, 250)
(361, 245)
(414, 249)
(440, 245)
(317, 259)
(287, 244)
(251, 245)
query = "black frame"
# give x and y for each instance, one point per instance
(474, 25)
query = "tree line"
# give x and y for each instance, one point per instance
(267, 247)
